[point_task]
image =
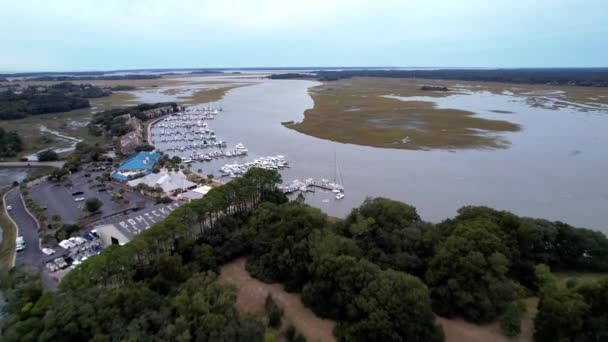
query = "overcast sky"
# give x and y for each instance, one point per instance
(114, 34)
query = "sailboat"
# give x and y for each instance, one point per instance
(338, 189)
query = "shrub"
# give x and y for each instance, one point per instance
(48, 155)
(273, 311)
(510, 324)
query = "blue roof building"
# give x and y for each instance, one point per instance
(140, 161)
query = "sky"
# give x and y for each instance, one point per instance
(75, 35)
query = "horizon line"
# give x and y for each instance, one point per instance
(162, 69)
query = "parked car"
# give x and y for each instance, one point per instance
(20, 244)
(76, 193)
(9, 207)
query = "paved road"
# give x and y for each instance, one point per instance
(57, 164)
(28, 228)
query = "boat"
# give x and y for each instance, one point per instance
(339, 196)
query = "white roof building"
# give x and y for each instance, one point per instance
(197, 193)
(167, 181)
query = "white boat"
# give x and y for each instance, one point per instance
(339, 196)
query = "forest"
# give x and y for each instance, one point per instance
(585, 77)
(382, 273)
(17, 103)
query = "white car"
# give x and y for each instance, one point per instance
(9, 207)
(20, 244)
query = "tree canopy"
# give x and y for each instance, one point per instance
(382, 273)
(10, 143)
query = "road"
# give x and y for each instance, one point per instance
(57, 164)
(28, 228)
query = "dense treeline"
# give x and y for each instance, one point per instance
(49, 73)
(586, 77)
(291, 75)
(114, 122)
(96, 78)
(10, 143)
(35, 100)
(381, 273)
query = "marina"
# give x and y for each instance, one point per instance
(309, 185)
(187, 134)
(536, 176)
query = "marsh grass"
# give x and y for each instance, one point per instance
(385, 122)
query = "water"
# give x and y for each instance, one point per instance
(9, 175)
(555, 167)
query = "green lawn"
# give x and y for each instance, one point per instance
(580, 277)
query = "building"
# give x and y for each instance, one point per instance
(141, 162)
(165, 180)
(122, 228)
(197, 193)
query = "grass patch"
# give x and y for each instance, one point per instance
(9, 237)
(385, 122)
(579, 277)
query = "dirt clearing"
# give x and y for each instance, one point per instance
(252, 294)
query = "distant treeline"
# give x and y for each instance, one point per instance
(33, 74)
(291, 75)
(95, 78)
(20, 102)
(205, 72)
(585, 77)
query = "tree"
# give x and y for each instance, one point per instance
(336, 283)
(394, 306)
(391, 234)
(92, 204)
(468, 273)
(510, 323)
(48, 155)
(10, 143)
(280, 249)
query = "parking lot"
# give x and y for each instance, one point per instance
(60, 199)
(74, 251)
